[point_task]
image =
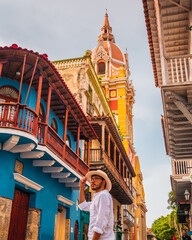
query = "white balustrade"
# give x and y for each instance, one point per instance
(71, 63)
(179, 69)
(181, 167)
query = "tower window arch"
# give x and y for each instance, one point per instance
(101, 68)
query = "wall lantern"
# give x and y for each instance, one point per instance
(187, 195)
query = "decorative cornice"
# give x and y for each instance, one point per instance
(64, 200)
(27, 182)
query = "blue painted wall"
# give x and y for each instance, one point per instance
(31, 103)
(45, 199)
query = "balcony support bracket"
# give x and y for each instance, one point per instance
(181, 104)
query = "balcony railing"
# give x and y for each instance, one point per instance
(181, 167)
(128, 217)
(70, 63)
(98, 155)
(18, 116)
(13, 115)
(179, 70)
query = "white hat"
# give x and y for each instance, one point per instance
(101, 174)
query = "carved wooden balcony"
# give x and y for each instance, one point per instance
(180, 178)
(120, 187)
(20, 117)
(179, 70)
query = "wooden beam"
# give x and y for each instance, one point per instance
(29, 88)
(181, 106)
(47, 114)
(75, 184)
(67, 180)
(77, 146)
(10, 143)
(21, 81)
(103, 137)
(60, 175)
(1, 67)
(176, 40)
(65, 132)
(176, 21)
(52, 169)
(167, 15)
(23, 148)
(34, 154)
(43, 163)
(39, 95)
(88, 153)
(109, 145)
(179, 5)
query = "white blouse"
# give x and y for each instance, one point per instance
(101, 215)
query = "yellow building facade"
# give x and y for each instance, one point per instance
(140, 212)
(112, 66)
(108, 152)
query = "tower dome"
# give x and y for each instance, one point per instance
(107, 57)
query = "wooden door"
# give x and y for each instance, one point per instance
(76, 232)
(19, 213)
(60, 222)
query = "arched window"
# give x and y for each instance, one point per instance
(41, 113)
(68, 141)
(101, 68)
(8, 94)
(54, 124)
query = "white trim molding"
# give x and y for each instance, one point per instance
(64, 200)
(27, 182)
(19, 133)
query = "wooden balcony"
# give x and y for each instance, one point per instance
(179, 70)
(58, 146)
(120, 188)
(180, 178)
(13, 115)
(22, 118)
(181, 167)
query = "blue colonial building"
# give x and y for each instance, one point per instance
(41, 133)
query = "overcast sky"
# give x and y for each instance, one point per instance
(65, 29)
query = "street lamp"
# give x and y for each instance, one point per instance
(187, 195)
